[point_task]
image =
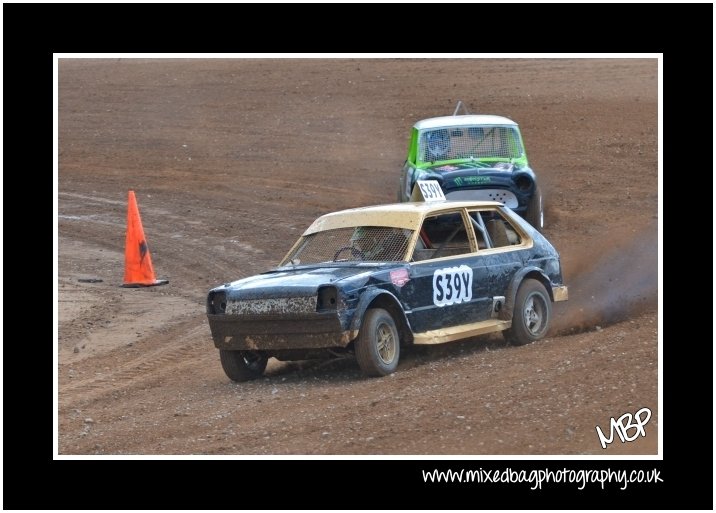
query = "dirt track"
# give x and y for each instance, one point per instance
(232, 159)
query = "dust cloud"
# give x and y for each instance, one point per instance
(614, 278)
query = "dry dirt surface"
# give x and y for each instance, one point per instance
(231, 159)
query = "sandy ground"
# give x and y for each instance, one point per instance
(232, 159)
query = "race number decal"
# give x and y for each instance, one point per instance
(431, 190)
(452, 285)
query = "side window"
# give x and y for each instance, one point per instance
(442, 235)
(493, 230)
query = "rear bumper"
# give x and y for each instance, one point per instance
(270, 332)
(560, 293)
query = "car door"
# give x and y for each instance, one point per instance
(505, 250)
(448, 284)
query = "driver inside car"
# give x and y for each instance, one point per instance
(438, 145)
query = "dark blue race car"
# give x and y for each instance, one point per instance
(368, 281)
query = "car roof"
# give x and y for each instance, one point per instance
(394, 215)
(465, 120)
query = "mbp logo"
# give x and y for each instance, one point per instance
(623, 425)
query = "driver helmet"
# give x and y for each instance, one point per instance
(438, 142)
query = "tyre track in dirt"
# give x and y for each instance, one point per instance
(180, 345)
(184, 245)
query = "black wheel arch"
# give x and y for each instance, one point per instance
(528, 273)
(379, 298)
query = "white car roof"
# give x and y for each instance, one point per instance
(396, 215)
(465, 120)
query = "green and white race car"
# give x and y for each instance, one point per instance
(474, 158)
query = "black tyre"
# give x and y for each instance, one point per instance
(243, 365)
(535, 210)
(531, 316)
(378, 344)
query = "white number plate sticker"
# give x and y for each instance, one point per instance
(431, 190)
(452, 285)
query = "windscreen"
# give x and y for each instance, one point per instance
(362, 243)
(469, 142)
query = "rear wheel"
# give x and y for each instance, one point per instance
(535, 210)
(243, 365)
(378, 345)
(531, 315)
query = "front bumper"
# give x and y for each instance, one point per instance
(317, 330)
(505, 196)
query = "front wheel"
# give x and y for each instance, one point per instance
(531, 316)
(243, 365)
(535, 210)
(378, 345)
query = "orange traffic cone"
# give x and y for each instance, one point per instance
(138, 270)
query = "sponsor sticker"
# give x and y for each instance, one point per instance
(452, 285)
(399, 277)
(471, 180)
(447, 168)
